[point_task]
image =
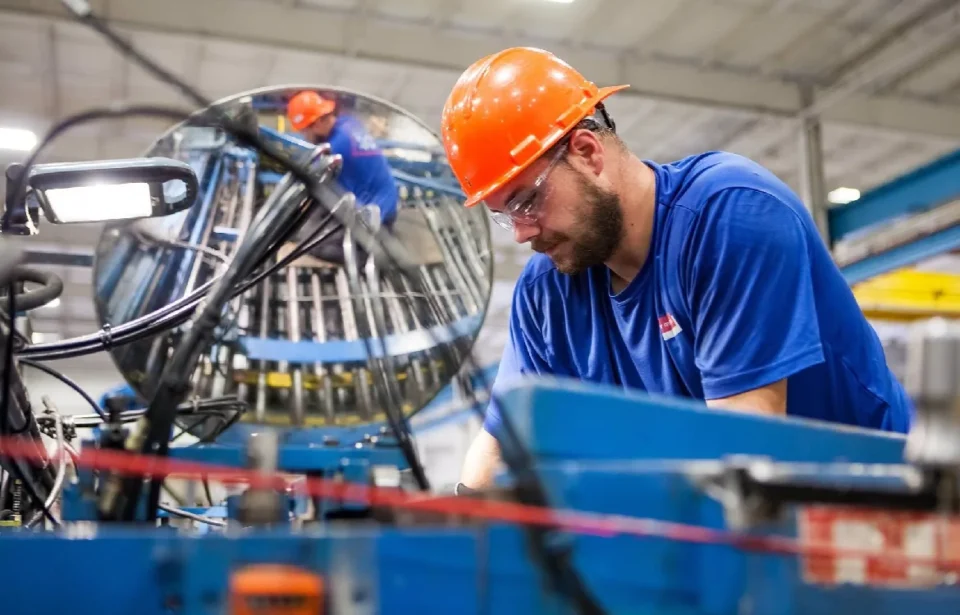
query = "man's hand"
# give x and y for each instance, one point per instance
(482, 462)
(771, 399)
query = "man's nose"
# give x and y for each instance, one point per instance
(524, 232)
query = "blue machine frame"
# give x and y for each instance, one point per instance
(487, 568)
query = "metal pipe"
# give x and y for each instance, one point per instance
(207, 208)
(402, 326)
(298, 414)
(61, 445)
(241, 304)
(813, 185)
(260, 408)
(467, 238)
(320, 332)
(451, 262)
(61, 475)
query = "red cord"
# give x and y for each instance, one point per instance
(581, 522)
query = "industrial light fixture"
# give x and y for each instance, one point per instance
(40, 338)
(17, 139)
(99, 203)
(54, 303)
(113, 189)
(843, 195)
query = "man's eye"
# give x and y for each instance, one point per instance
(525, 203)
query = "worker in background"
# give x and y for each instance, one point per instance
(365, 171)
(704, 278)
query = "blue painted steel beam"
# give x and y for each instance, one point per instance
(225, 233)
(292, 458)
(264, 349)
(61, 259)
(269, 177)
(548, 416)
(429, 184)
(902, 256)
(922, 189)
(285, 140)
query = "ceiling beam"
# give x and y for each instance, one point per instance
(906, 18)
(899, 56)
(412, 44)
(355, 32)
(443, 11)
(593, 21)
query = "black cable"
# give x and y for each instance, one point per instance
(214, 407)
(51, 287)
(7, 393)
(8, 356)
(273, 223)
(23, 339)
(67, 381)
(207, 492)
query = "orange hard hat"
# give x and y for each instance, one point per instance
(307, 107)
(506, 110)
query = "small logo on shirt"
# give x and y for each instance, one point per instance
(669, 328)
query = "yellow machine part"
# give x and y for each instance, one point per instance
(909, 294)
(283, 380)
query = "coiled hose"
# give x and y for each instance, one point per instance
(51, 287)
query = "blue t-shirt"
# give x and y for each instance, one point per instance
(738, 292)
(365, 170)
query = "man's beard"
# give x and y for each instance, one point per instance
(597, 237)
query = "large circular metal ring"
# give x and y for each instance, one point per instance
(326, 340)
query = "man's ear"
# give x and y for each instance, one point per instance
(586, 152)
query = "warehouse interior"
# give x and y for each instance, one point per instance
(854, 104)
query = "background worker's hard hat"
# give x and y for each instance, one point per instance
(506, 110)
(307, 107)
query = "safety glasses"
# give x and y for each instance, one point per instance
(525, 206)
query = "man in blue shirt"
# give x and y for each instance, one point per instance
(366, 172)
(705, 278)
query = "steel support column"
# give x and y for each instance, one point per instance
(813, 190)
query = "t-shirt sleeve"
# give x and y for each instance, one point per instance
(750, 291)
(523, 354)
(340, 143)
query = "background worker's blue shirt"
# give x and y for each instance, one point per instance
(739, 292)
(365, 170)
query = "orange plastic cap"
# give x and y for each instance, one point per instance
(307, 107)
(506, 110)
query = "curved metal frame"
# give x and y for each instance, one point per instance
(410, 181)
